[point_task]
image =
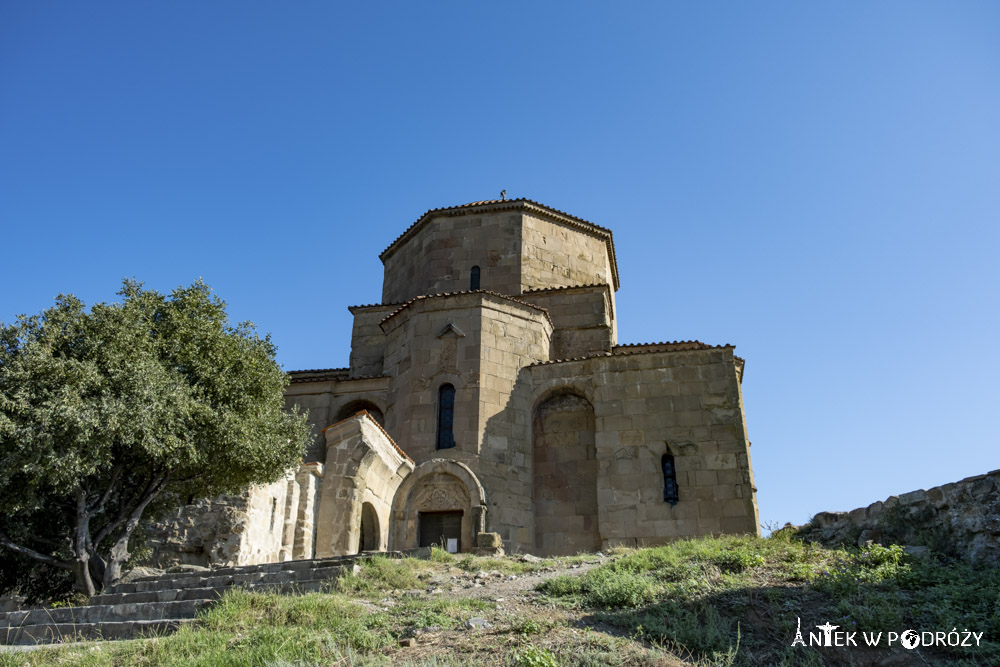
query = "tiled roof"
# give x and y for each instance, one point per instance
(481, 291)
(326, 375)
(510, 204)
(365, 413)
(560, 361)
(374, 305)
(642, 348)
(537, 290)
(672, 346)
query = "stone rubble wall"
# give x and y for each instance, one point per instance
(267, 523)
(962, 516)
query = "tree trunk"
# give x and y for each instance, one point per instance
(81, 546)
(119, 552)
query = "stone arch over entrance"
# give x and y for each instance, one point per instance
(565, 471)
(371, 533)
(440, 495)
(364, 467)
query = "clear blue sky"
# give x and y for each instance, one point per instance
(816, 183)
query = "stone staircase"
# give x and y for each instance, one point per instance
(161, 604)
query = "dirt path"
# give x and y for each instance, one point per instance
(518, 620)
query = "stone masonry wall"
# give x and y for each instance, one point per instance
(582, 319)
(962, 518)
(368, 340)
(556, 255)
(363, 467)
(441, 255)
(515, 252)
(564, 461)
(325, 401)
(688, 401)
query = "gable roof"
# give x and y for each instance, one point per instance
(525, 205)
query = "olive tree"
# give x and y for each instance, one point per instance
(115, 412)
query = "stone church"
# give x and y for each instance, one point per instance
(488, 405)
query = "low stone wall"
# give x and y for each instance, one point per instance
(959, 519)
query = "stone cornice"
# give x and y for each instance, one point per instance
(486, 293)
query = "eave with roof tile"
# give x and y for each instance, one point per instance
(327, 375)
(497, 295)
(642, 348)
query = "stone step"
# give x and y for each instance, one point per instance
(274, 567)
(214, 580)
(103, 613)
(57, 632)
(165, 595)
(249, 573)
(156, 605)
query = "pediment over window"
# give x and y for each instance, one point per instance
(451, 330)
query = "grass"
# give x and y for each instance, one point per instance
(711, 601)
(735, 600)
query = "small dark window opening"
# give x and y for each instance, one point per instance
(474, 283)
(670, 493)
(446, 417)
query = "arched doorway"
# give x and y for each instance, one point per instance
(368, 539)
(440, 503)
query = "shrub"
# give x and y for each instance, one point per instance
(615, 590)
(561, 586)
(535, 657)
(737, 559)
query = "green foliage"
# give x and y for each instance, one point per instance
(443, 612)
(738, 559)
(528, 626)
(439, 555)
(379, 574)
(609, 589)
(918, 525)
(723, 600)
(532, 656)
(111, 414)
(561, 586)
(701, 611)
(605, 588)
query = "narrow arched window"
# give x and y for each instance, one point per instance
(474, 282)
(670, 493)
(446, 417)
